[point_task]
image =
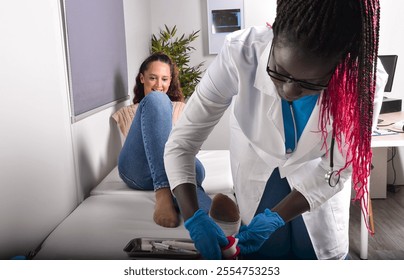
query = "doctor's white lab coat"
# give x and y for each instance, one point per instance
(257, 144)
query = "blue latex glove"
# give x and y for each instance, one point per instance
(208, 237)
(251, 237)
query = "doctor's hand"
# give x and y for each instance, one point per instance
(251, 237)
(208, 237)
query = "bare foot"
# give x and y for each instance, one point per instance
(165, 213)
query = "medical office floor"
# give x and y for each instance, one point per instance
(388, 240)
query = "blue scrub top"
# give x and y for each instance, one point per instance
(302, 109)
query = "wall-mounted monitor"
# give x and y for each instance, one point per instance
(225, 21)
(224, 17)
(389, 63)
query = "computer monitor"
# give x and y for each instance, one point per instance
(389, 63)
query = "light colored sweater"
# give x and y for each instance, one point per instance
(125, 115)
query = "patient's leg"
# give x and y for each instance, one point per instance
(156, 126)
(141, 163)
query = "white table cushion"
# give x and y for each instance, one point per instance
(101, 226)
(218, 177)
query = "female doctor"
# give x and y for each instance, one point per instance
(301, 120)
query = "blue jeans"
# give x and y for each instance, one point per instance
(291, 241)
(141, 162)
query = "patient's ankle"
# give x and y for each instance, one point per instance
(165, 213)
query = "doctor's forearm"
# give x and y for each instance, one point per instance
(292, 206)
(187, 199)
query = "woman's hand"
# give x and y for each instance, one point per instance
(208, 237)
(253, 236)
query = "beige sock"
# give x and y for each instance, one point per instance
(165, 213)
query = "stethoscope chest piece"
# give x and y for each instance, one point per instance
(332, 178)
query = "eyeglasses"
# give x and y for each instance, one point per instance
(286, 79)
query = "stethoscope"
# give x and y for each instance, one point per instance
(332, 176)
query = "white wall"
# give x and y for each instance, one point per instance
(259, 12)
(392, 42)
(36, 145)
(47, 164)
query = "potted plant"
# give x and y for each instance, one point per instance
(179, 49)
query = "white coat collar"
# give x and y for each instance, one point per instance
(262, 81)
(265, 85)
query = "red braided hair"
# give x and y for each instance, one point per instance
(347, 29)
(349, 101)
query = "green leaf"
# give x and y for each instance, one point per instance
(179, 49)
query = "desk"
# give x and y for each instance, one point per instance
(396, 140)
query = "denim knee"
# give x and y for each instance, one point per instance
(156, 98)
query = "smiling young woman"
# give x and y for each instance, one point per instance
(146, 124)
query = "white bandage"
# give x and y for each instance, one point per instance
(231, 251)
